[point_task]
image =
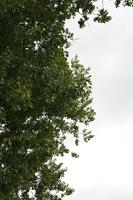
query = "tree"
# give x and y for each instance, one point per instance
(42, 96)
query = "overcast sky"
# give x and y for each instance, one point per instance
(104, 170)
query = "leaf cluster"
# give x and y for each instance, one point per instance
(43, 98)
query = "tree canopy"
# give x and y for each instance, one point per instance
(43, 97)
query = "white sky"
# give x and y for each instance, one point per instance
(104, 170)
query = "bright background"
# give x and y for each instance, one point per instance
(104, 170)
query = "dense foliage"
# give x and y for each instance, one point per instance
(42, 96)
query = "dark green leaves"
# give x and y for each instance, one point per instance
(102, 16)
(124, 3)
(43, 98)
